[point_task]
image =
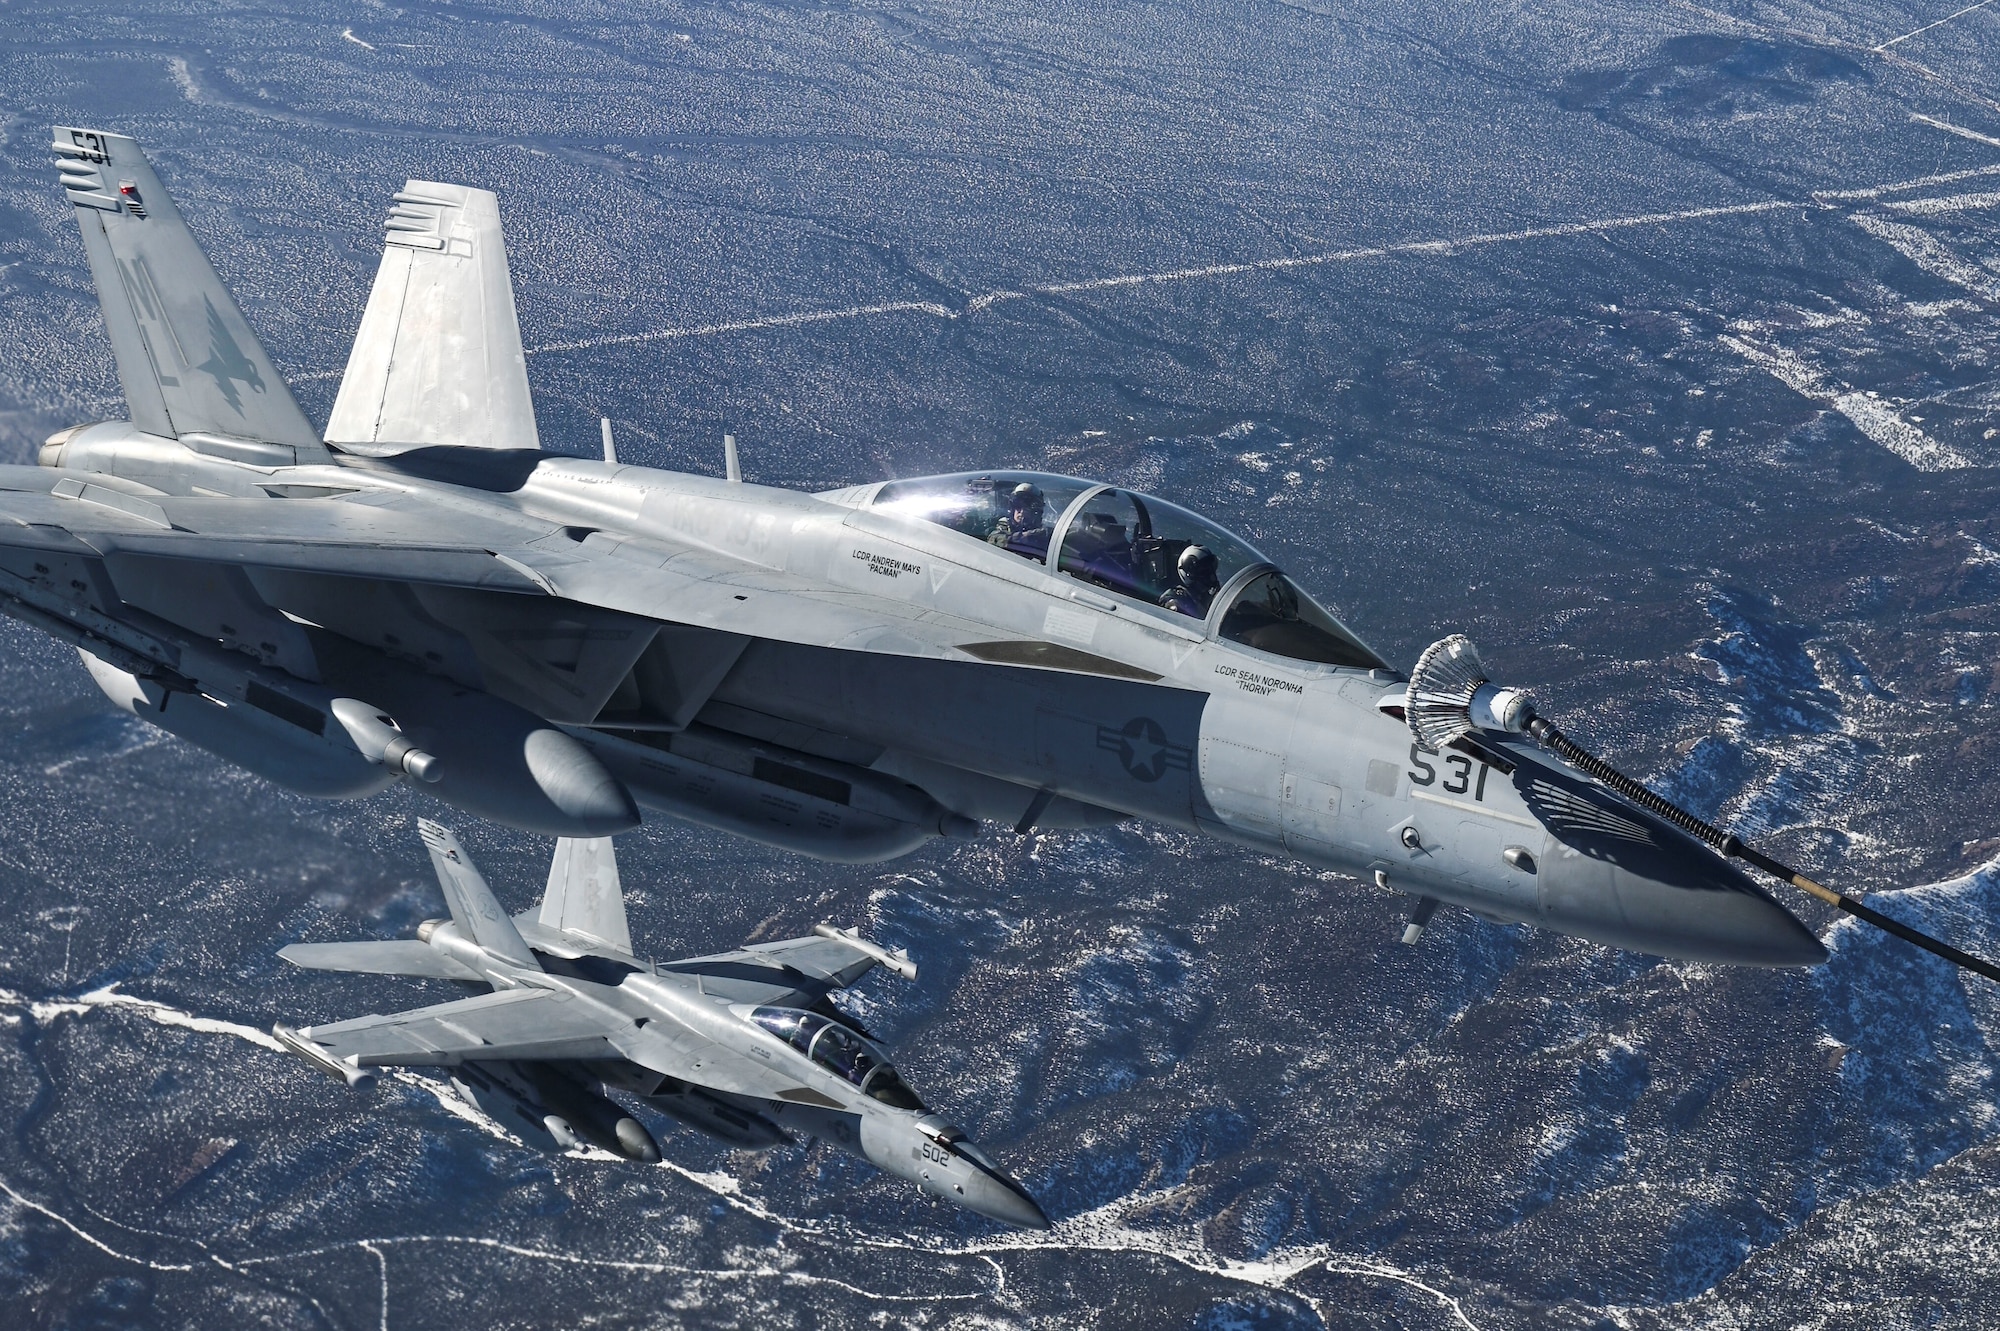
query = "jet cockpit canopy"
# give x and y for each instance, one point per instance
(841, 1051)
(1140, 547)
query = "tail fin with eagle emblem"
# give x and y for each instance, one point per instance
(187, 359)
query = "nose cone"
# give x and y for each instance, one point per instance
(1615, 874)
(991, 1193)
(1007, 1203)
(989, 1190)
(927, 1150)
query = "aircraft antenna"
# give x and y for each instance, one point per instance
(1449, 697)
(610, 449)
(732, 470)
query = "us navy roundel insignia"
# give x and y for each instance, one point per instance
(1142, 749)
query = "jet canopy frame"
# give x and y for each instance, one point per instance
(841, 1050)
(1136, 546)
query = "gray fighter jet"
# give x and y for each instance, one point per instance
(561, 642)
(741, 1046)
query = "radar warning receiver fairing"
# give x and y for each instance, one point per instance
(744, 1046)
(560, 643)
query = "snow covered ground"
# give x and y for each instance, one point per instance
(1654, 346)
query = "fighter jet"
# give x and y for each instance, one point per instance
(421, 592)
(742, 1046)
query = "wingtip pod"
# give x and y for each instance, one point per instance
(319, 1060)
(897, 961)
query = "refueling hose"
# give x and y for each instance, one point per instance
(1728, 844)
(1449, 697)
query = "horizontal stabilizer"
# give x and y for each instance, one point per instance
(394, 957)
(438, 358)
(187, 360)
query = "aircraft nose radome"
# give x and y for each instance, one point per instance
(1615, 874)
(1750, 929)
(991, 1193)
(1686, 903)
(1003, 1200)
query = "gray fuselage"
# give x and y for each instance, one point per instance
(1060, 704)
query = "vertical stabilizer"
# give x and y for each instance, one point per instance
(473, 907)
(438, 359)
(584, 896)
(187, 360)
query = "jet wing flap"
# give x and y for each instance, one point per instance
(836, 963)
(20, 478)
(508, 1024)
(440, 566)
(81, 508)
(753, 982)
(366, 518)
(325, 514)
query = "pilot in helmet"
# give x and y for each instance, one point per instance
(1024, 530)
(1195, 584)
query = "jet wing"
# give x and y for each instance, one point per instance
(371, 534)
(409, 537)
(768, 972)
(507, 1024)
(530, 1024)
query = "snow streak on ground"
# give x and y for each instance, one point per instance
(1870, 415)
(1441, 247)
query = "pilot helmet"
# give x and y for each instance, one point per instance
(1027, 501)
(1197, 568)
